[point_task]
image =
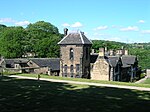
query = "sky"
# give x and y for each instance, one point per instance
(115, 20)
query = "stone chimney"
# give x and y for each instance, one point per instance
(101, 52)
(106, 51)
(65, 31)
(125, 52)
(82, 33)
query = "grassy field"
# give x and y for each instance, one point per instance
(147, 81)
(88, 80)
(22, 95)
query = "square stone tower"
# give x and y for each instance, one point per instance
(75, 55)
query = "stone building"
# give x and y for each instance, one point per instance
(75, 55)
(50, 66)
(130, 69)
(105, 67)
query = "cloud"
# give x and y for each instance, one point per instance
(7, 20)
(22, 23)
(100, 34)
(141, 21)
(12, 21)
(65, 25)
(130, 28)
(75, 25)
(101, 28)
(145, 31)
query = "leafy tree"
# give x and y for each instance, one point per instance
(109, 44)
(42, 39)
(11, 42)
(143, 56)
(2, 26)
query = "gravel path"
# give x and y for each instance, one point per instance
(85, 83)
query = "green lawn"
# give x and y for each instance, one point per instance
(22, 95)
(147, 81)
(88, 80)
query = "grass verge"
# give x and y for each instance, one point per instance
(147, 81)
(88, 80)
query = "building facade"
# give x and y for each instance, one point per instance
(105, 67)
(75, 55)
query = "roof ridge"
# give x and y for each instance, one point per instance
(64, 38)
(81, 37)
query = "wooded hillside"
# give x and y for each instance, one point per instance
(41, 38)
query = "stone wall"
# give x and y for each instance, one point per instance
(100, 70)
(36, 69)
(79, 58)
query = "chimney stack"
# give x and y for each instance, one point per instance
(65, 31)
(101, 52)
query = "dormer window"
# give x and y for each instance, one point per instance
(71, 54)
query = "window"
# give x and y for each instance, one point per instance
(71, 68)
(16, 66)
(71, 54)
(71, 71)
(77, 68)
(65, 70)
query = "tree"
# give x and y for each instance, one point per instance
(11, 42)
(109, 44)
(42, 39)
(2, 26)
(143, 56)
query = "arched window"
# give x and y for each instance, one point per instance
(71, 54)
(77, 67)
(65, 70)
(71, 70)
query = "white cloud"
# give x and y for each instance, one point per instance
(141, 21)
(22, 23)
(130, 28)
(145, 31)
(101, 28)
(100, 34)
(12, 21)
(65, 25)
(75, 25)
(7, 20)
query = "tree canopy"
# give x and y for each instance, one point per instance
(40, 38)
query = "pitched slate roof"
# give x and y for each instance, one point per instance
(113, 60)
(11, 62)
(75, 38)
(93, 58)
(53, 63)
(128, 60)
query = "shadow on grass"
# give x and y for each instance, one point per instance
(20, 95)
